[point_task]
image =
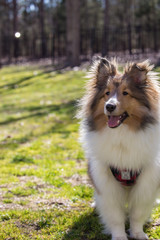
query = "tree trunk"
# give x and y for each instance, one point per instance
(105, 40)
(42, 30)
(73, 32)
(129, 20)
(15, 27)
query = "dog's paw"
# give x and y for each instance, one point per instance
(120, 238)
(139, 235)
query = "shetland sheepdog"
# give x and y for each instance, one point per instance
(120, 133)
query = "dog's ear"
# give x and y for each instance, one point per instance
(137, 72)
(104, 69)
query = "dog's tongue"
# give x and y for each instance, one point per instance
(113, 121)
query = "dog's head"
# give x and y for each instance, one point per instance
(116, 98)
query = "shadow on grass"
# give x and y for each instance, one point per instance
(40, 111)
(87, 227)
(65, 111)
(14, 85)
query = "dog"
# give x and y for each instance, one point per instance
(120, 134)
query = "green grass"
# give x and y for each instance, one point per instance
(43, 178)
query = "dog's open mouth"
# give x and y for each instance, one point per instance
(115, 121)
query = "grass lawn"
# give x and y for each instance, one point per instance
(44, 188)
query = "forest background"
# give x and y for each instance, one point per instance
(75, 31)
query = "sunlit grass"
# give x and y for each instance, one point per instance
(44, 194)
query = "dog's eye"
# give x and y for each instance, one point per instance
(125, 93)
(107, 93)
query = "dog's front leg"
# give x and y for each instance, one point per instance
(110, 199)
(141, 201)
(112, 212)
(137, 219)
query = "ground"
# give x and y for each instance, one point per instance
(45, 192)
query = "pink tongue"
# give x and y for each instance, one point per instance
(113, 121)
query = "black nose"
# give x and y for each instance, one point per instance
(110, 107)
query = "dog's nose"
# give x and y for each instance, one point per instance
(110, 107)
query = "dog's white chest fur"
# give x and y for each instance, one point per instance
(122, 147)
